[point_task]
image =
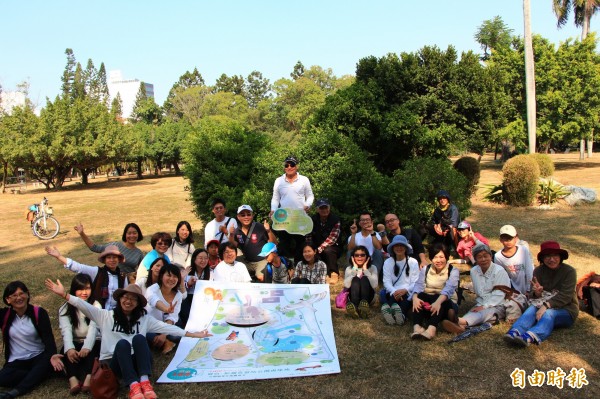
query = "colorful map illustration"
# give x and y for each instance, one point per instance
(260, 331)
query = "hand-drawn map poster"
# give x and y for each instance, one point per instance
(260, 331)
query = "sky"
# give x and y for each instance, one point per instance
(158, 41)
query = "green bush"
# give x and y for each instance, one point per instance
(521, 176)
(469, 168)
(550, 191)
(416, 186)
(545, 164)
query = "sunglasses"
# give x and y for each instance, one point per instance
(290, 165)
(360, 255)
(166, 244)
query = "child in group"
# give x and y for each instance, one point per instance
(212, 248)
(81, 341)
(400, 273)
(310, 270)
(515, 259)
(468, 239)
(278, 269)
(105, 280)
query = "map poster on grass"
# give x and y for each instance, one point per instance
(294, 221)
(260, 331)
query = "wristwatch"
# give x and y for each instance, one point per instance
(373, 234)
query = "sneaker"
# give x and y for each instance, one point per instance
(514, 337)
(351, 310)
(334, 278)
(397, 314)
(387, 314)
(363, 309)
(135, 391)
(452, 328)
(148, 390)
(530, 338)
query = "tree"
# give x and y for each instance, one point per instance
(186, 81)
(69, 74)
(144, 108)
(492, 34)
(583, 11)
(116, 107)
(257, 88)
(233, 84)
(298, 71)
(103, 95)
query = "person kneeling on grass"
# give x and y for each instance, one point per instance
(400, 273)
(361, 279)
(124, 346)
(489, 302)
(561, 310)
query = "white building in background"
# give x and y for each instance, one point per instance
(128, 90)
(11, 99)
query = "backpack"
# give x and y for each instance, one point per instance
(36, 314)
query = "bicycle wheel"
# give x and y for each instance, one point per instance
(47, 228)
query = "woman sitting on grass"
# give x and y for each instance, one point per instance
(200, 271)
(309, 270)
(400, 273)
(152, 277)
(28, 342)
(164, 303)
(124, 346)
(105, 279)
(127, 246)
(81, 342)
(559, 310)
(361, 279)
(434, 293)
(160, 245)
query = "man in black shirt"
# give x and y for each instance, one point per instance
(325, 236)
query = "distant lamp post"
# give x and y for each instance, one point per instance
(529, 77)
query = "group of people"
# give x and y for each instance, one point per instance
(135, 301)
(505, 283)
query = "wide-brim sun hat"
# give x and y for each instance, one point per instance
(399, 240)
(111, 250)
(131, 289)
(552, 247)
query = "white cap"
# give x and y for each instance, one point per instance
(244, 208)
(508, 230)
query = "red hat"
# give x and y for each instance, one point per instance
(552, 247)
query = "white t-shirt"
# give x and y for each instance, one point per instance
(519, 268)
(211, 231)
(154, 295)
(365, 241)
(238, 273)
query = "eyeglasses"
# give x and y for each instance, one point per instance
(129, 298)
(360, 255)
(391, 220)
(290, 165)
(164, 243)
(17, 295)
(364, 220)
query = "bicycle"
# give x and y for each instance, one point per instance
(43, 223)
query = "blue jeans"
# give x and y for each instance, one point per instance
(543, 327)
(131, 367)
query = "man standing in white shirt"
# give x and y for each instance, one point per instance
(291, 191)
(218, 228)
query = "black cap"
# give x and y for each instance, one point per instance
(322, 202)
(291, 159)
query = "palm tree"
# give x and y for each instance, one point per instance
(583, 10)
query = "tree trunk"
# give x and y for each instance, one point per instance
(496, 150)
(4, 176)
(590, 145)
(176, 167)
(84, 175)
(139, 168)
(582, 149)
(529, 78)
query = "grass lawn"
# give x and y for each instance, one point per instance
(376, 360)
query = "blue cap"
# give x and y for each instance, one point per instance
(268, 248)
(400, 240)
